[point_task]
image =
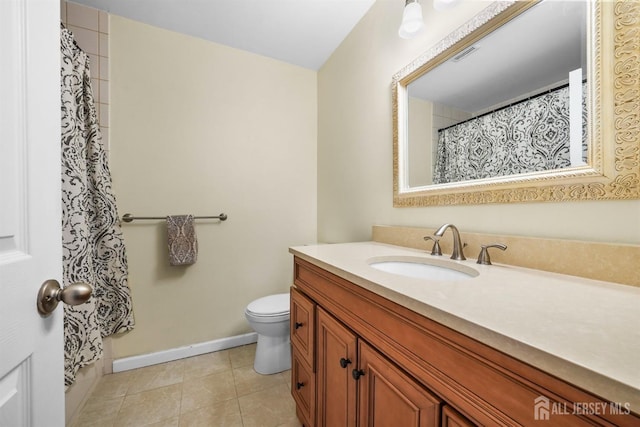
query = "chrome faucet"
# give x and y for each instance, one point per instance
(457, 243)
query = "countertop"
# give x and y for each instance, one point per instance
(586, 332)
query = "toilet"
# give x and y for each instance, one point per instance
(269, 317)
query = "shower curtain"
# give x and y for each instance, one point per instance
(526, 137)
(93, 247)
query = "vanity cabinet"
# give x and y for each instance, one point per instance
(372, 362)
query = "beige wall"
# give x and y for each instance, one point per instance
(201, 128)
(355, 149)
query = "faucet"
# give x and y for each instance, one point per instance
(457, 244)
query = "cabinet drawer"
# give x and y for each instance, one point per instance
(451, 418)
(303, 390)
(302, 326)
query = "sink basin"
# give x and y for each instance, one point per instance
(423, 268)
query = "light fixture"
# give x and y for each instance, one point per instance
(412, 22)
(445, 4)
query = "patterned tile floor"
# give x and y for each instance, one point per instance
(214, 389)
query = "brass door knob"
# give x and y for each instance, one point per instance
(51, 294)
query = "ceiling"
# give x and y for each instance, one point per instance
(535, 50)
(299, 32)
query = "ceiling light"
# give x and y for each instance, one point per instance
(412, 22)
(445, 4)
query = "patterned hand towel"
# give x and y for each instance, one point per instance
(183, 245)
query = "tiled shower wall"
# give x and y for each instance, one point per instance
(90, 28)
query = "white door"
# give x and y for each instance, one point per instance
(31, 347)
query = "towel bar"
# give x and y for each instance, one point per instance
(129, 218)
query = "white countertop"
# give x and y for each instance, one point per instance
(586, 332)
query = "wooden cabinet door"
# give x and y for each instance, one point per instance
(302, 327)
(451, 418)
(336, 359)
(389, 398)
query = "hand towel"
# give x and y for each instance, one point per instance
(183, 244)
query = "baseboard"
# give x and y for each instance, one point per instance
(140, 361)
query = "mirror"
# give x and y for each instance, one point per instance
(502, 106)
(481, 119)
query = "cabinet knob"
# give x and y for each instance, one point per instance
(299, 385)
(357, 373)
(344, 362)
(298, 325)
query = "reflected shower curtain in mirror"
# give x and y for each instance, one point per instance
(529, 136)
(93, 246)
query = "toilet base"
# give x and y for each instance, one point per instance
(273, 355)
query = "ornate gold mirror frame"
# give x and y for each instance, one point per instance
(613, 170)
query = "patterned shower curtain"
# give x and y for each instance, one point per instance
(529, 136)
(93, 247)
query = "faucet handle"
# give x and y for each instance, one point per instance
(436, 245)
(483, 257)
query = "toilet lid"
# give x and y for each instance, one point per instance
(272, 305)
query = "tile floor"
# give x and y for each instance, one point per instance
(214, 389)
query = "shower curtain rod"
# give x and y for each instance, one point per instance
(529, 98)
(129, 218)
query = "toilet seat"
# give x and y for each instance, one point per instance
(270, 306)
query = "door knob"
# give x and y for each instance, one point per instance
(51, 294)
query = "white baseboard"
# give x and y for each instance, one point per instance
(133, 362)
